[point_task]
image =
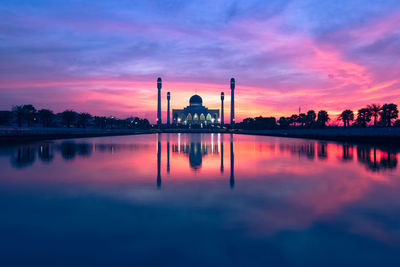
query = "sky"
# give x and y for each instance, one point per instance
(104, 57)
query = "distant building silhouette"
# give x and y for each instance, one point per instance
(159, 85)
(232, 102)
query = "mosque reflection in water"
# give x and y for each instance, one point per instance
(195, 148)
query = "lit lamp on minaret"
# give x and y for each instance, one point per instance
(159, 85)
(168, 113)
(232, 102)
(222, 108)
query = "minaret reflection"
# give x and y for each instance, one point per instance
(168, 167)
(232, 178)
(222, 152)
(158, 161)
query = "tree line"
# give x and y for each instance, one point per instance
(380, 116)
(28, 115)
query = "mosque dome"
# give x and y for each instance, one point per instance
(196, 100)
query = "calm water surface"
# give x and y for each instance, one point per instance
(198, 200)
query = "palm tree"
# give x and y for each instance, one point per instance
(346, 117)
(375, 110)
(388, 113)
(68, 117)
(311, 116)
(363, 117)
(45, 116)
(323, 118)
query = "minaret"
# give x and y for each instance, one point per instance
(159, 101)
(222, 108)
(168, 113)
(232, 102)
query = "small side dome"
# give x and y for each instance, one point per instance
(196, 100)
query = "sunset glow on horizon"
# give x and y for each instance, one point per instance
(104, 57)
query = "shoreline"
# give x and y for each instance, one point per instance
(31, 135)
(378, 136)
(388, 136)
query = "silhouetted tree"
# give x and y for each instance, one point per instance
(45, 116)
(100, 122)
(83, 119)
(294, 119)
(111, 121)
(5, 117)
(145, 124)
(130, 122)
(396, 123)
(302, 119)
(375, 111)
(283, 122)
(363, 117)
(388, 113)
(28, 113)
(323, 118)
(265, 123)
(311, 116)
(68, 117)
(346, 117)
(18, 111)
(248, 123)
(123, 123)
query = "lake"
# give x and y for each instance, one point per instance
(199, 200)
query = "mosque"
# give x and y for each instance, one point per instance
(196, 113)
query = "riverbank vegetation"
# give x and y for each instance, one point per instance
(29, 116)
(373, 115)
(370, 116)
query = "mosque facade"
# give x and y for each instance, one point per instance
(196, 114)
